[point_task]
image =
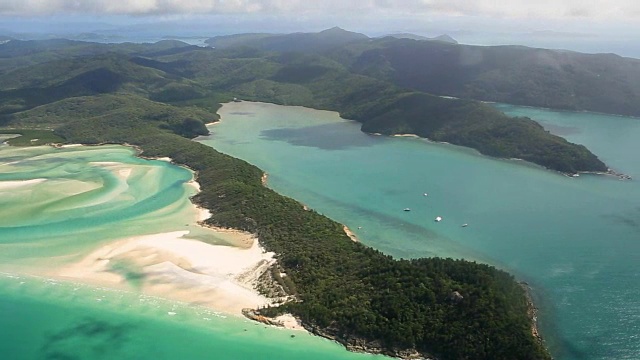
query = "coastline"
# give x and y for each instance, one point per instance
(532, 311)
(362, 345)
(173, 266)
(609, 172)
(500, 104)
(350, 234)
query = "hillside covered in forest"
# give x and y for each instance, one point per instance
(158, 96)
(197, 79)
(519, 75)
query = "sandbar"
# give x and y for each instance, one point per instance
(171, 266)
(5, 185)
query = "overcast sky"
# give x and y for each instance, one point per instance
(472, 21)
(544, 9)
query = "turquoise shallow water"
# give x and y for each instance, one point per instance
(47, 319)
(575, 240)
(81, 199)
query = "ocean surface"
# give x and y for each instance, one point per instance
(56, 206)
(576, 241)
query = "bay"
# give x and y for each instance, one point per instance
(576, 241)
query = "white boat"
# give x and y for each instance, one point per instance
(425, 194)
(407, 209)
(438, 218)
(465, 225)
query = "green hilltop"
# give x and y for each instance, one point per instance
(556, 79)
(517, 75)
(327, 73)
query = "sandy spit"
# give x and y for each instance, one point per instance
(171, 266)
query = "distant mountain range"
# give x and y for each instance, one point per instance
(334, 69)
(307, 42)
(301, 42)
(443, 38)
(518, 75)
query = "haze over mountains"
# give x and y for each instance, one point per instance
(513, 74)
(573, 34)
(386, 84)
(307, 42)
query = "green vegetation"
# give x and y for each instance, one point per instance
(518, 75)
(306, 42)
(129, 110)
(196, 79)
(30, 137)
(481, 127)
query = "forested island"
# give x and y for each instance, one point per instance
(180, 75)
(159, 96)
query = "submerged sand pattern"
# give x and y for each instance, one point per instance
(172, 266)
(102, 216)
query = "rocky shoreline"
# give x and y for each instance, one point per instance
(532, 311)
(609, 172)
(351, 343)
(252, 314)
(364, 346)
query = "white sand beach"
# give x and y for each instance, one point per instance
(171, 266)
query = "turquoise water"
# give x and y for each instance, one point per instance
(575, 240)
(83, 198)
(47, 319)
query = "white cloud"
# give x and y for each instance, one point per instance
(543, 9)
